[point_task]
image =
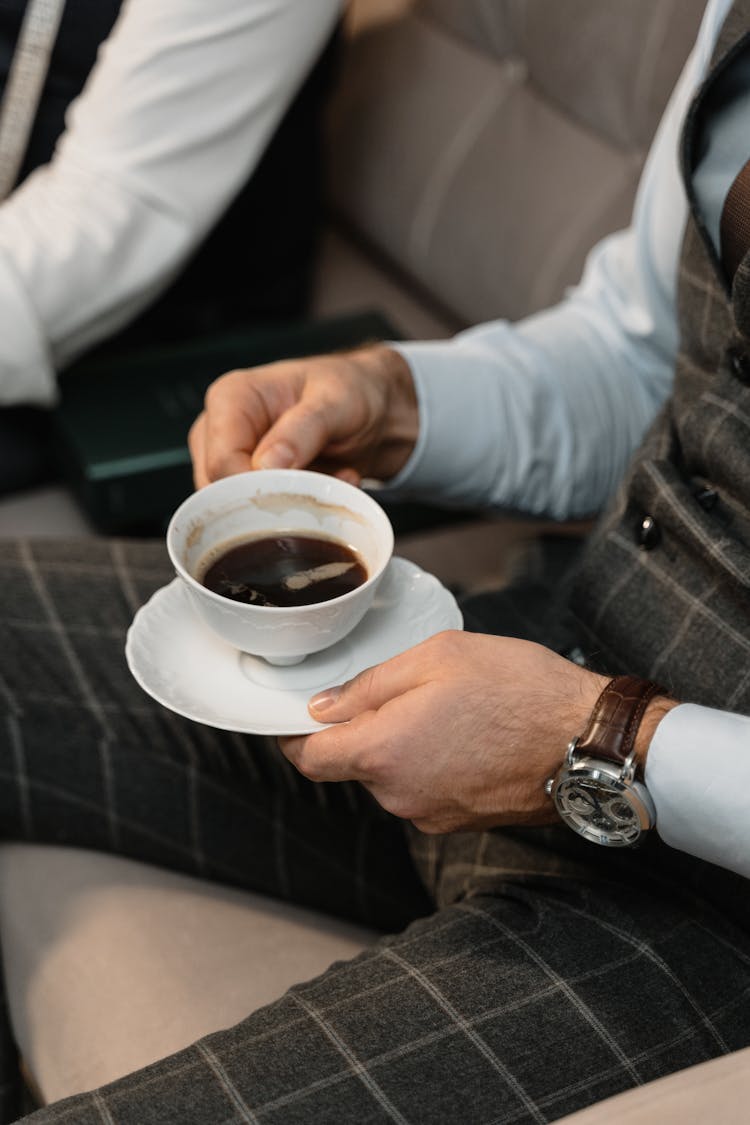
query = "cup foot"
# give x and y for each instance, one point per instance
(318, 670)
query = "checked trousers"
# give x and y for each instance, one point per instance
(521, 974)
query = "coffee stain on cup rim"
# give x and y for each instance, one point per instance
(194, 536)
(277, 503)
(280, 502)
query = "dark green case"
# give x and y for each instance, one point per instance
(122, 422)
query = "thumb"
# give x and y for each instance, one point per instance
(303, 432)
(368, 691)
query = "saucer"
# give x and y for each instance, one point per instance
(178, 661)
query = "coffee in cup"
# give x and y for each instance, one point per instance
(334, 529)
(283, 570)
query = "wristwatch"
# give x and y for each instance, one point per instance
(595, 790)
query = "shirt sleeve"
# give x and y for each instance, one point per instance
(544, 415)
(176, 113)
(698, 773)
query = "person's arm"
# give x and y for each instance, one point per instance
(176, 113)
(461, 732)
(543, 415)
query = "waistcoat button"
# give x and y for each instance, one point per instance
(739, 363)
(707, 497)
(648, 533)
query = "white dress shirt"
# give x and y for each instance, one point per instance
(544, 415)
(175, 115)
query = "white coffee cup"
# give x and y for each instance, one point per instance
(279, 502)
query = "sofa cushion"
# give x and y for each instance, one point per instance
(111, 964)
(713, 1093)
(630, 54)
(347, 280)
(50, 510)
(484, 148)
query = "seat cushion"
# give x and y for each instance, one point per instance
(42, 511)
(717, 1092)
(111, 964)
(348, 279)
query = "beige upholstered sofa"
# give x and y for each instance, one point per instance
(478, 148)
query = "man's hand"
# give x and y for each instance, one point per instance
(350, 415)
(460, 732)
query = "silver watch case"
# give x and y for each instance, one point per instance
(601, 800)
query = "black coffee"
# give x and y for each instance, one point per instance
(285, 570)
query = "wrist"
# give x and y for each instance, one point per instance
(572, 719)
(659, 706)
(598, 791)
(392, 377)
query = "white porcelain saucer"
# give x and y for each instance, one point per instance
(179, 662)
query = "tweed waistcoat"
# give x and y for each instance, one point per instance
(670, 599)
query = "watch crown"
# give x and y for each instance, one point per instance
(549, 785)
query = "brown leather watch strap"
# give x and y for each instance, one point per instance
(614, 722)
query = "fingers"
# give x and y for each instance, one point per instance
(343, 414)
(235, 462)
(236, 416)
(197, 446)
(375, 749)
(371, 689)
(305, 430)
(349, 476)
(373, 715)
(334, 754)
(284, 415)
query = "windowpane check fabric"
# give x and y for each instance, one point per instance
(526, 974)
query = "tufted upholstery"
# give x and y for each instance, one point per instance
(468, 148)
(617, 49)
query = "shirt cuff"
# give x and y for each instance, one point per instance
(698, 774)
(456, 456)
(26, 371)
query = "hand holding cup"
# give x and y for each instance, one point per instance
(352, 416)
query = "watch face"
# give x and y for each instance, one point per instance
(601, 807)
